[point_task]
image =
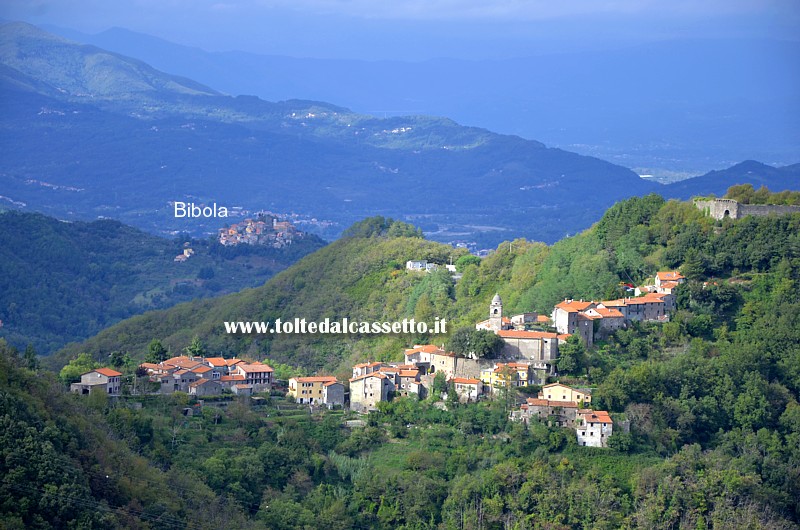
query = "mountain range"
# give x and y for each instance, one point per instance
(88, 133)
(671, 108)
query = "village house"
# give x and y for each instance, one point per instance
(104, 380)
(593, 427)
(367, 368)
(367, 390)
(559, 413)
(565, 314)
(467, 389)
(421, 354)
(205, 387)
(561, 392)
(242, 389)
(668, 279)
(648, 307)
(333, 394)
(569, 317)
(220, 365)
(257, 374)
(229, 381)
(310, 390)
(504, 375)
(539, 346)
(407, 382)
(416, 264)
(421, 265)
(609, 318)
(177, 381)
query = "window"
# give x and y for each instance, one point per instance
(583, 434)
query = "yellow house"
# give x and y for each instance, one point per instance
(507, 374)
(559, 392)
(309, 389)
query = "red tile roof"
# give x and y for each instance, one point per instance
(368, 364)
(427, 348)
(515, 334)
(216, 361)
(227, 378)
(596, 416)
(573, 306)
(538, 402)
(365, 376)
(465, 381)
(669, 276)
(647, 299)
(150, 366)
(108, 372)
(609, 312)
(255, 368)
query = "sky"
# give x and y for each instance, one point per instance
(417, 29)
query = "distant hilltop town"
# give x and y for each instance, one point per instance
(265, 230)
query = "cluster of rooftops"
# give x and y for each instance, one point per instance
(528, 357)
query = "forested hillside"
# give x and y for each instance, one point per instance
(65, 464)
(62, 282)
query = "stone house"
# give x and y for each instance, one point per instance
(333, 394)
(205, 387)
(559, 413)
(367, 368)
(367, 390)
(103, 380)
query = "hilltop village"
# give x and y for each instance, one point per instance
(527, 357)
(265, 230)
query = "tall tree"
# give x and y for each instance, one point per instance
(156, 352)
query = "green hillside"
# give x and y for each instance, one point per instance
(62, 282)
(712, 397)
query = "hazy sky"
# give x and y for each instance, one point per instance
(417, 29)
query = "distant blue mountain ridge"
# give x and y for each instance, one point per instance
(675, 108)
(90, 133)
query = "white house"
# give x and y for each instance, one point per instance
(593, 427)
